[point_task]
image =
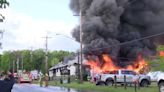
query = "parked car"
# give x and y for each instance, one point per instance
(25, 78)
(131, 77)
(160, 82)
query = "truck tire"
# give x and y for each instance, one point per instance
(101, 83)
(144, 83)
(161, 86)
(109, 82)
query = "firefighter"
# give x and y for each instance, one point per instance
(46, 79)
(41, 77)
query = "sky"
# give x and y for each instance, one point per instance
(27, 22)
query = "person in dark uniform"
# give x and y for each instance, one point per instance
(11, 77)
(6, 85)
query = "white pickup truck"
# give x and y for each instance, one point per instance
(131, 77)
(160, 82)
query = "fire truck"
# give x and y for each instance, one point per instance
(25, 77)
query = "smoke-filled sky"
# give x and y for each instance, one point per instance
(110, 22)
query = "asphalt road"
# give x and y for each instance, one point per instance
(37, 88)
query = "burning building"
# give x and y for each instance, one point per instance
(112, 29)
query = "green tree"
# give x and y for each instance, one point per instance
(160, 48)
(38, 59)
(58, 56)
(26, 60)
(31, 60)
(5, 63)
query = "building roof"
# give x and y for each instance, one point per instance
(65, 63)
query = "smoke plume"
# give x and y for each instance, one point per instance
(108, 23)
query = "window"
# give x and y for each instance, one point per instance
(125, 72)
(132, 73)
(128, 72)
(113, 72)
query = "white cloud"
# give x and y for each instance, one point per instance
(22, 32)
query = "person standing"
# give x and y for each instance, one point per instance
(41, 77)
(46, 79)
(11, 79)
(7, 84)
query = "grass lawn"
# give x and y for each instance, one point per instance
(90, 86)
(157, 65)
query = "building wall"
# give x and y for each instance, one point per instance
(58, 73)
(72, 69)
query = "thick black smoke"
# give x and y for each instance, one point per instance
(107, 23)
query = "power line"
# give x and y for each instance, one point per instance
(128, 42)
(66, 36)
(129, 2)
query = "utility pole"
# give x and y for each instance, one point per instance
(81, 45)
(81, 48)
(46, 53)
(22, 62)
(46, 59)
(78, 66)
(13, 66)
(9, 65)
(17, 65)
(31, 56)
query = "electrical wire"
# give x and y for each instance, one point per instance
(128, 42)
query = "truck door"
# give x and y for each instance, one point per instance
(129, 76)
(115, 73)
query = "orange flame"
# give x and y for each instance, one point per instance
(161, 53)
(108, 64)
(138, 65)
